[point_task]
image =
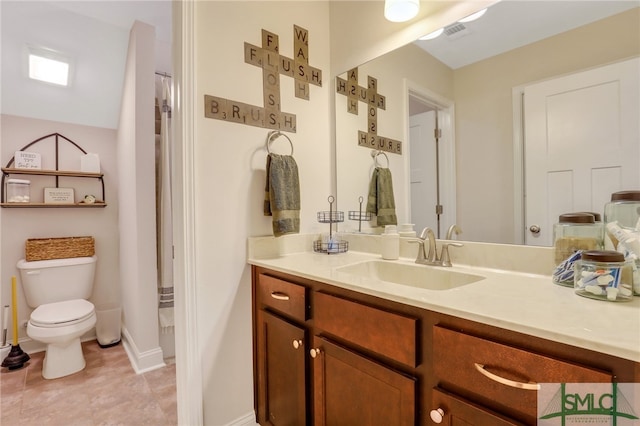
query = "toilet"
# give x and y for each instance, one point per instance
(58, 290)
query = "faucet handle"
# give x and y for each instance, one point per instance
(444, 256)
(422, 256)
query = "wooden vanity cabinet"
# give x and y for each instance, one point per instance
(347, 375)
(283, 389)
(280, 352)
(364, 360)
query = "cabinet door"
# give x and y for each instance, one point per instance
(281, 370)
(349, 389)
(450, 410)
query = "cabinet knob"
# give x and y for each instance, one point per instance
(437, 415)
(534, 229)
(297, 343)
(314, 352)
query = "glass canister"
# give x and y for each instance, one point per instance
(622, 228)
(604, 275)
(18, 191)
(624, 208)
(574, 232)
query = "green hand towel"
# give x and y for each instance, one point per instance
(380, 201)
(282, 194)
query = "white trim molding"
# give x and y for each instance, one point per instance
(518, 166)
(188, 367)
(141, 361)
(248, 419)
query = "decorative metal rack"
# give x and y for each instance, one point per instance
(8, 170)
(331, 246)
(359, 215)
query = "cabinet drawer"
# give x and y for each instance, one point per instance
(500, 375)
(389, 334)
(453, 410)
(282, 296)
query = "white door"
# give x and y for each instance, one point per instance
(581, 143)
(422, 146)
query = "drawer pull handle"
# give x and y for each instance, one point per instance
(297, 343)
(279, 296)
(314, 352)
(437, 415)
(502, 380)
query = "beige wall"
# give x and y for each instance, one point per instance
(136, 180)
(20, 224)
(360, 33)
(230, 176)
(484, 133)
(354, 164)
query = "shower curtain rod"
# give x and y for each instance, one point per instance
(163, 74)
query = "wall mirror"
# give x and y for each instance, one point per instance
(469, 80)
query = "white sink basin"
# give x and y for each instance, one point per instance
(411, 274)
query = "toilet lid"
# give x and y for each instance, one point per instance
(59, 313)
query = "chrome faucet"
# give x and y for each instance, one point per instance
(444, 254)
(453, 228)
(431, 257)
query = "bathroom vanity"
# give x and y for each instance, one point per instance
(335, 344)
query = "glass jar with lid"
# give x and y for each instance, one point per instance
(574, 232)
(604, 275)
(18, 191)
(624, 208)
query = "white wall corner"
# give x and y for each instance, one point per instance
(141, 361)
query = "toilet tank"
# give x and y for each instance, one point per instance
(56, 280)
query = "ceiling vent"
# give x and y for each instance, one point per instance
(455, 31)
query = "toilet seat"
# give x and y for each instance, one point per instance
(62, 314)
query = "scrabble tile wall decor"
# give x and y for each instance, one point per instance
(374, 101)
(273, 64)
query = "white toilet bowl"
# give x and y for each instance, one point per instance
(59, 325)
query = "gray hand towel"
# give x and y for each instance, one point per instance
(282, 194)
(380, 201)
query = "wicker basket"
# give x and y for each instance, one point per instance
(58, 248)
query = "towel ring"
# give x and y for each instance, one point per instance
(375, 155)
(273, 135)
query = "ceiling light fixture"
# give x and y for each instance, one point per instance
(48, 66)
(473, 16)
(432, 35)
(401, 10)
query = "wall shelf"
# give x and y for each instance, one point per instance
(50, 205)
(8, 170)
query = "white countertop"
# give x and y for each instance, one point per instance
(525, 302)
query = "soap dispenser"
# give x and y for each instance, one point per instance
(390, 244)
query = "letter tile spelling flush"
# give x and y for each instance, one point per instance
(374, 100)
(273, 64)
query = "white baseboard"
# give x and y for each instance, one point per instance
(248, 419)
(141, 361)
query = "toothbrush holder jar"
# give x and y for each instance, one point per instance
(604, 275)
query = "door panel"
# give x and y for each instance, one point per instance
(582, 142)
(352, 390)
(423, 170)
(282, 393)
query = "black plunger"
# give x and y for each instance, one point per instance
(16, 358)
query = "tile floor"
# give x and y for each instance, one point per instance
(106, 392)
